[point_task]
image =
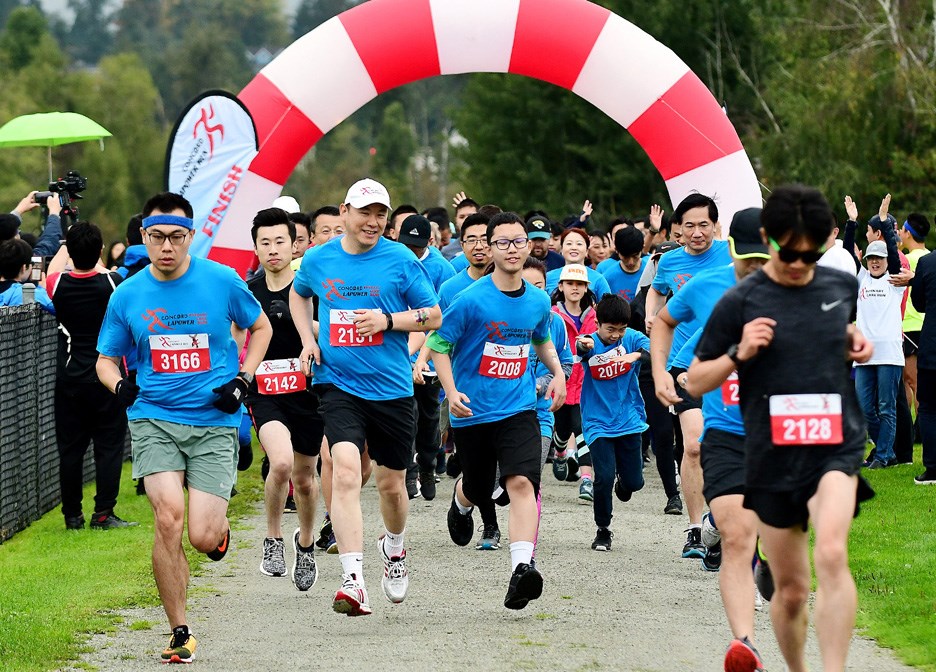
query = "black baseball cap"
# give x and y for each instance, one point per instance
(744, 235)
(538, 226)
(416, 231)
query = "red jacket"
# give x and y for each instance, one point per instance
(589, 326)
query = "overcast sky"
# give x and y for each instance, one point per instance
(61, 6)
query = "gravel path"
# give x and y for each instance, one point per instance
(639, 608)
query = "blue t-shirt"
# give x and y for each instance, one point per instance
(11, 294)
(491, 334)
(597, 282)
(560, 339)
(675, 269)
(692, 306)
(451, 287)
(720, 407)
(553, 260)
(611, 401)
(437, 267)
(387, 277)
(460, 262)
(182, 333)
(621, 282)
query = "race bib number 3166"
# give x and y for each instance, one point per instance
(183, 353)
(806, 419)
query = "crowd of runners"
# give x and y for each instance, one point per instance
(373, 342)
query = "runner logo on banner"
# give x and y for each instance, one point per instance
(210, 150)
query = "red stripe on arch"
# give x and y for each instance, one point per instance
(284, 133)
(685, 129)
(554, 39)
(395, 40)
(239, 260)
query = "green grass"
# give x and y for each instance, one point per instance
(892, 552)
(58, 587)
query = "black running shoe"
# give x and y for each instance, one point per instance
(290, 505)
(324, 533)
(622, 493)
(673, 505)
(711, 561)
(222, 548)
(526, 584)
(460, 525)
(693, 548)
(427, 485)
(602, 540)
(453, 466)
(76, 523)
(264, 467)
(928, 477)
(108, 521)
(572, 475)
(412, 489)
(763, 578)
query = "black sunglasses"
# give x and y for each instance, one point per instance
(788, 256)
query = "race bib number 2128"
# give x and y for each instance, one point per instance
(806, 419)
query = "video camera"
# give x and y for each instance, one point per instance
(69, 189)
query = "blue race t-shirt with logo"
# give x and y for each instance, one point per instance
(560, 339)
(611, 401)
(438, 268)
(389, 278)
(621, 282)
(720, 407)
(694, 303)
(675, 269)
(451, 287)
(460, 262)
(596, 282)
(182, 333)
(492, 335)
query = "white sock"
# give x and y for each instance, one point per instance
(393, 543)
(520, 551)
(695, 526)
(464, 510)
(353, 563)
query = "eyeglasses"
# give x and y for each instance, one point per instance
(788, 256)
(158, 238)
(504, 243)
(701, 226)
(474, 241)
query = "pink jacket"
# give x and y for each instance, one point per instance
(589, 325)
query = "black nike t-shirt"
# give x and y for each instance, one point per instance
(806, 356)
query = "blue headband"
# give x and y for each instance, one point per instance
(911, 230)
(170, 220)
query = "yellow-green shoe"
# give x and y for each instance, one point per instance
(181, 647)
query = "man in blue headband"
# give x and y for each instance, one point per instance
(185, 406)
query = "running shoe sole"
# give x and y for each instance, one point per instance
(742, 658)
(178, 660)
(349, 606)
(694, 553)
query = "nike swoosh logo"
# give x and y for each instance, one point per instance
(826, 307)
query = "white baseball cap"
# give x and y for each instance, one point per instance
(287, 203)
(576, 272)
(367, 192)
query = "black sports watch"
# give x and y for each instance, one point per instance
(732, 353)
(248, 377)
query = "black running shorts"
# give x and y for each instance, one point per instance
(512, 443)
(299, 415)
(722, 464)
(385, 428)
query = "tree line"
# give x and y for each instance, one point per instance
(840, 95)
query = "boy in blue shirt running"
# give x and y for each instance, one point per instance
(482, 355)
(613, 415)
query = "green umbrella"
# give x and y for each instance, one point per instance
(50, 129)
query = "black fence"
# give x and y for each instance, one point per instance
(29, 463)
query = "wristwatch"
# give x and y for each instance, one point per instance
(248, 377)
(732, 353)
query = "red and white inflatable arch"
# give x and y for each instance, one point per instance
(326, 75)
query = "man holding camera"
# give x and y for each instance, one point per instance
(185, 407)
(51, 239)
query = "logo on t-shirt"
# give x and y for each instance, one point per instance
(159, 318)
(681, 279)
(346, 291)
(153, 319)
(493, 329)
(333, 292)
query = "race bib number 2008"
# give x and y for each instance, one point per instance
(806, 419)
(504, 361)
(183, 353)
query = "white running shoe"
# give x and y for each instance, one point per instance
(758, 600)
(395, 581)
(351, 598)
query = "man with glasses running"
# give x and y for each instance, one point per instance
(788, 331)
(185, 406)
